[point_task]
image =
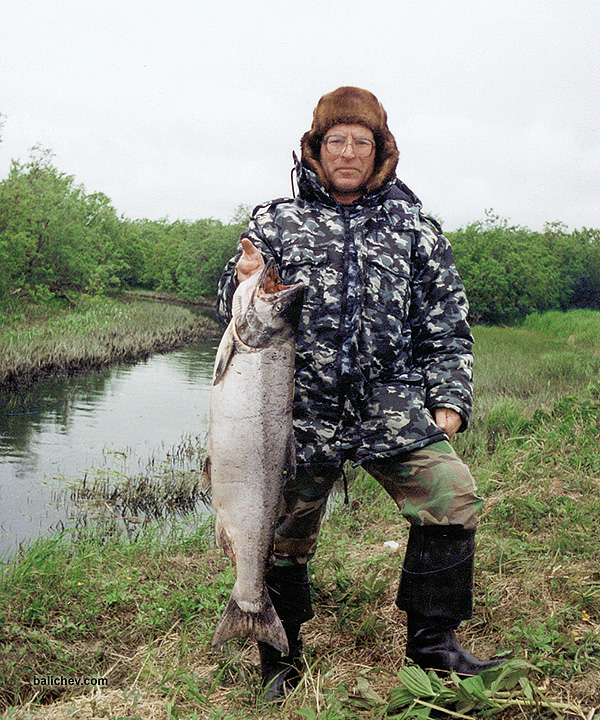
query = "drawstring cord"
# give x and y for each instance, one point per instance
(345, 480)
(293, 170)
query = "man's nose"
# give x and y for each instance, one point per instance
(348, 150)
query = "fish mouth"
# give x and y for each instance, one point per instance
(271, 285)
(269, 281)
(287, 299)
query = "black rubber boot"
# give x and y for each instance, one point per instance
(436, 647)
(281, 673)
(436, 591)
(289, 590)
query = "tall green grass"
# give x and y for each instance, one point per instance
(577, 327)
(519, 370)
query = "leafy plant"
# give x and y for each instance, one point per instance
(418, 693)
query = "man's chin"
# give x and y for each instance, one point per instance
(348, 191)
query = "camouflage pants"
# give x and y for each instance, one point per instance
(431, 486)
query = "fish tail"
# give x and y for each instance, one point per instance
(263, 625)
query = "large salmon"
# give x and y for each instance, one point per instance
(250, 451)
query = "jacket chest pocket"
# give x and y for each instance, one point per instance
(388, 275)
(313, 266)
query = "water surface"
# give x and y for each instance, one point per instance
(63, 428)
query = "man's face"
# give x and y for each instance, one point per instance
(347, 172)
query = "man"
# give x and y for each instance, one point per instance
(383, 374)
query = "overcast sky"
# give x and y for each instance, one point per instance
(185, 109)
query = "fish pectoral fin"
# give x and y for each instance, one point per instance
(223, 540)
(225, 353)
(205, 474)
(289, 467)
(263, 625)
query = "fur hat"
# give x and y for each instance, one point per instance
(351, 105)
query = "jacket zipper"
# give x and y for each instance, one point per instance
(344, 304)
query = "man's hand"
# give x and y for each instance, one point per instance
(250, 262)
(448, 420)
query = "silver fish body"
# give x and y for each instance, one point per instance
(251, 447)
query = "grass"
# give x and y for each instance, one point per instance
(523, 370)
(140, 612)
(42, 341)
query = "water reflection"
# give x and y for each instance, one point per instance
(120, 417)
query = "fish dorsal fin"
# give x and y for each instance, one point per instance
(225, 353)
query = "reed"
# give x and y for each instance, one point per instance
(101, 331)
(121, 505)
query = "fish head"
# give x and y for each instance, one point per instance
(265, 310)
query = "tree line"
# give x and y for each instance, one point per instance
(56, 239)
(511, 271)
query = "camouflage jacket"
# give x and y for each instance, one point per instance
(383, 337)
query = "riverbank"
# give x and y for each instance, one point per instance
(97, 331)
(137, 611)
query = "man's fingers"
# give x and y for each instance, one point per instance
(448, 420)
(251, 260)
(249, 250)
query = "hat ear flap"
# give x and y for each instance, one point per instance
(310, 146)
(385, 166)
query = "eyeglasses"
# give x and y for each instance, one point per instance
(336, 144)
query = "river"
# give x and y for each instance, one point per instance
(61, 429)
